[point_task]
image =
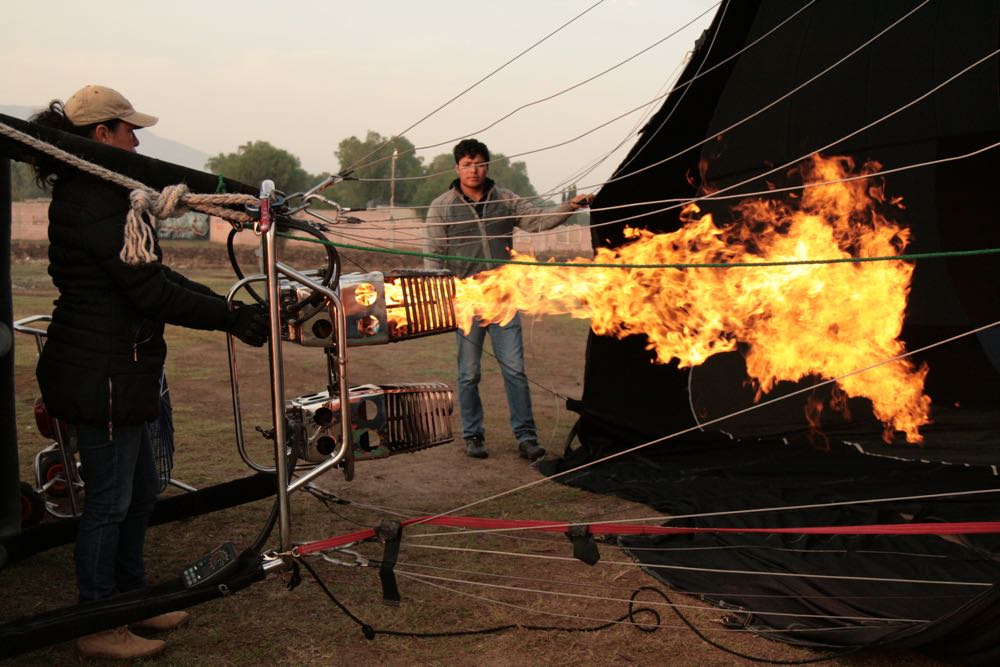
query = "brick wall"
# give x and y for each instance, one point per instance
(30, 220)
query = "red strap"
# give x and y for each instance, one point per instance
(478, 523)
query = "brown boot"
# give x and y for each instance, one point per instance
(169, 621)
(118, 644)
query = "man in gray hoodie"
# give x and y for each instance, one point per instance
(476, 218)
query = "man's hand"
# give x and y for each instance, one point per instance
(581, 201)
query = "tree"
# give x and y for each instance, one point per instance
(440, 174)
(256, 161)
(511, 175)
(372, 159)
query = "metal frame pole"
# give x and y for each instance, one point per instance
(10, 477)
(269, 252)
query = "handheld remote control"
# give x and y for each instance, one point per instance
(211, 566)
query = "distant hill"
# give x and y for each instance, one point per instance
(151, 144)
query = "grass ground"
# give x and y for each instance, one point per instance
(268, 624)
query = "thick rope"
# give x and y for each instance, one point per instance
(140, 242)
(148, 205)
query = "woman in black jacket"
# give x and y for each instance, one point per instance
(101, 365)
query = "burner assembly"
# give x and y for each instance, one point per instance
(378, 307)
(361, 309)
(324, 310)
(385, 420)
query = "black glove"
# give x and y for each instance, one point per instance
(249, 323)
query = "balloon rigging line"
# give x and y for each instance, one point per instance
(688, 568)
(822, 149)
(773, 103)
(765, 547)
(426, 579)
(549, 538)
(680, 99)
(544, 612)
(684, 200)
(588, 168)
(671, 85)
(804, 186)
(621, 622)
(552, 539)
(574, 86)
(717, 420)
(712, 628)
(564, 185)
(675, 87)
(649, 111)
(548, 97)
(651, 603)
(577, 263)
(646, 105)
(766, 107)
(474, 85)
(705, 515)
(673, 605)
(718, 193)
(609, 587)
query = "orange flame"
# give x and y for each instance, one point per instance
(825, 320)
(395, 302)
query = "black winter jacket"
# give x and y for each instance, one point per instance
(102, 361)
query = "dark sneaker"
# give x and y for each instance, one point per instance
(530, 449)
(476, 447)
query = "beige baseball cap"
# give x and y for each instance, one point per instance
(96, 104)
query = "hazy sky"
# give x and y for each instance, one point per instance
(305, 74)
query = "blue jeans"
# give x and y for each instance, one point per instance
(508, 348)
(120, 486)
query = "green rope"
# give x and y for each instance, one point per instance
(705, 265)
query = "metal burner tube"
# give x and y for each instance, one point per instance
(428, 302)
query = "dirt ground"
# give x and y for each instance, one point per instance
(480, 581)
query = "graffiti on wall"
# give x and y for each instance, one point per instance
(190, 225)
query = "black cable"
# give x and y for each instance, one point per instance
(265, 532)
(370, 633)
(745, 656)
(356, 263)
(328, 503)
(331, 274)
(272, 519)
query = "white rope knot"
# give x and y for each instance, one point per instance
(148, 206)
